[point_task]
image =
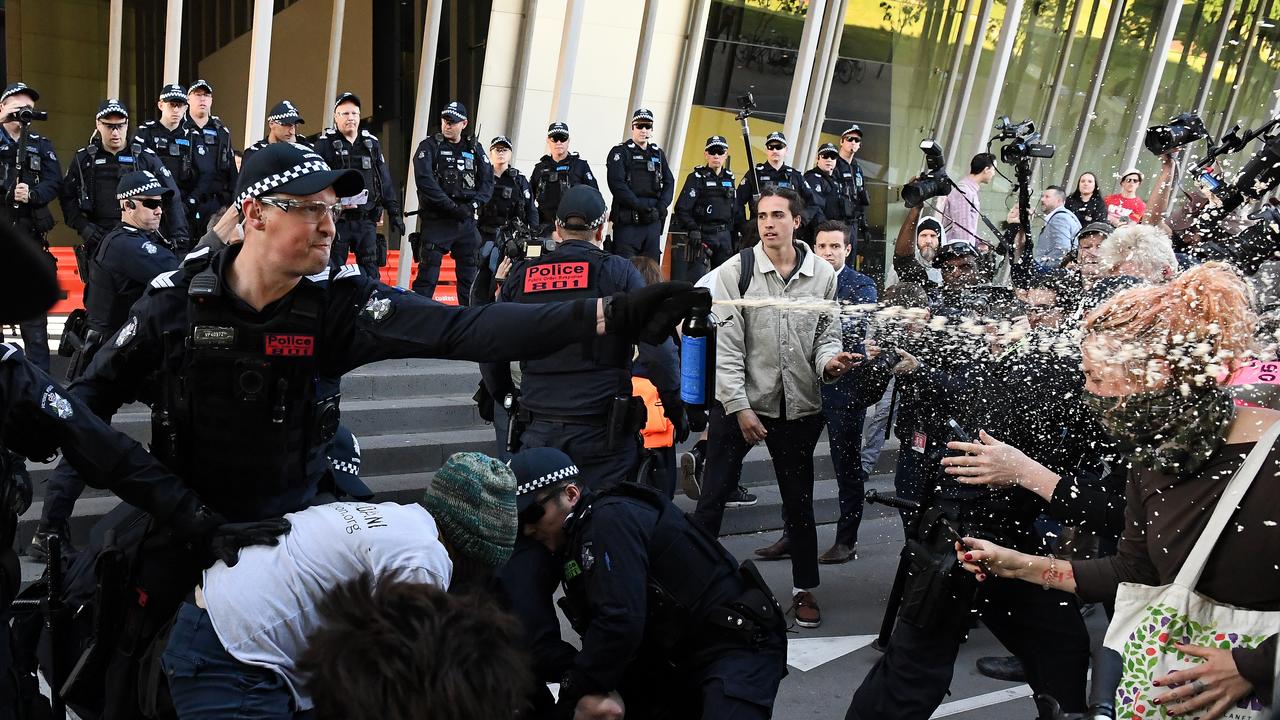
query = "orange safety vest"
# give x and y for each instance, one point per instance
(658, 431)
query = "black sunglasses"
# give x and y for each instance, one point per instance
(774, 146)
(149, 203)
(852, 138)
(716, 151)
(534, 512)
(643, 126)
(829, 156)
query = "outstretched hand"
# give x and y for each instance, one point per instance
(998, 464)
(1212, 687)
(651, 313)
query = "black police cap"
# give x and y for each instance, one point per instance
(293, 169)
(16, 88)
(537, 468)
(111, 106)
(584, 203)
(285, 113)
(142, 183)
(173, 92)
(776, 136)
(828, 149)
(200, 84)
(501, 140)
(952, 250)
(455, 111)
(716, 141)
(347, 97)
(557, 129)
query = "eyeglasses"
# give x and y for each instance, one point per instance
(114, 126)
(774, 146)
(642, 126)
(1130, 179)
(149, 203)
(534, 512)
(716, 151)
(312, 211)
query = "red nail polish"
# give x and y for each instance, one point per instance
(968, 556)
(1155, 683)
(1156, 701)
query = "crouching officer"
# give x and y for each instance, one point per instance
(642, 187)
(510, 213)
(579, 399)
(656, 601)
(454, 180)
(555, 173)
(345, 145)
(704, 211)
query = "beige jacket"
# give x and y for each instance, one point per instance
(764, 354)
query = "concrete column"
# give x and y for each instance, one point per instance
(692, 56)
(966, 88)
(421, 120)
(1151, 83)
(1004, 50)
(335, 51)
(1091, 102)
(1242, 70)
(172, 40)
(953, 73)
(643, 48)
(837, 10)
(520, 81)
(259, 67)
(1064, 58)
(806, 143)
(796, 102)
(568, 59)
(1215, 53)
(114, 29)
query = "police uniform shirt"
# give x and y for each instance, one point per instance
(552, 178)
(639, 177)
(127, 259)
(707, 198)
(783, 177)
(827, 189)
(174, 148)
(89, 188)
(266, 607)
(451, 175)
(361, 321)
(249, 151)
(214, 161)
(850, 173)
(512, 199)
(40, 170)
(364, 155)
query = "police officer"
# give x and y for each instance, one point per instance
(555, 173)
(213, 159)
(454, 180)
(828, 188)
(31, 180)
(579, 399)
(511, 206)
(775, 171)
(345, 145)
(704, 211)
(642, 187)
(668, 620)
(171, 141)
(282, 126)
(855, 185)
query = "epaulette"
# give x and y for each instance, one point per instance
(163, 280)
(8, 350)
(200, 253)
(347, 271)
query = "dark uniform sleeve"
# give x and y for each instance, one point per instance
(175, 217)
(684, 219)
(140, 265)
(812, 199)
(588, 177)
(616, 581)
(484, 190)
(617, 178)
(530, 207)
(46, 191)
(69, 196)
(668, 183)
(746, 190)
(390, 192)
(230, 174)
(430, 194)
(662, 360)
(119, 370)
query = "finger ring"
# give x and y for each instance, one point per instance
(1197, 687)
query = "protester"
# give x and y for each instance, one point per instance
(1125, 206)
(1085, 201)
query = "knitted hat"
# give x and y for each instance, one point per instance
(473, 500)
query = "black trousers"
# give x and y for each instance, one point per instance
(1043, 628)
(358, 235)
(791, 443)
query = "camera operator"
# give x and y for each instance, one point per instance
(961, 218)
(510, 206)
(1057, 238)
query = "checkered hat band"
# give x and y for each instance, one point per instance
(14, 91)
(173, 95)
(111, 110)
(564, 473)
(351, 468)
(282, 116)
(271, 182)
(153, 185)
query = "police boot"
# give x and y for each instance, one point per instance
(1002, 668)
(38, 550)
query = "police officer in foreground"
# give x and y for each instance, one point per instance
(830, 189)
(31, 180)
(345, 145)
(213, 159)
(855, 185)
(775, 171)
(88, 199)
(578, 399)
(170, 138)
(642, 187)
(454, 180)
(704, 211)
(555, 173)
(510, 210)
(282, 126)
(670, 623)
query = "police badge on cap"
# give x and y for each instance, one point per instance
(716, 142)
(200, 84)
(112, 106)
(777, 137)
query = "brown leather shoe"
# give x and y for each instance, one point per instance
(780, 550)
(837, 554)
(805, 607)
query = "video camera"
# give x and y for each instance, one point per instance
(26, 116)
(518, 241)
(1024, 141)
(1180, 131)
(747, 102)
(934, 182)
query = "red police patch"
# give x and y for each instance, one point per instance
(290, 345)
(556, 276)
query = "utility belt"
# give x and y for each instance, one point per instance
(687, 249)
(626, 417)
(714, 227)
(752, 619)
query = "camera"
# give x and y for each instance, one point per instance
(934, 182)
(26, 115)
(1024, 141)
(518, 242)
(1180, 131)
(747, 102)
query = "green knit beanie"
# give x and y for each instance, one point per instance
(473, 501)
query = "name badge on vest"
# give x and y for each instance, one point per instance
(213, 336)
(290, 345)
(548, 277)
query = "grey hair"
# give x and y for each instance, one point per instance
(1146, 248)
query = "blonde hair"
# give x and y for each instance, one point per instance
(1146, 247)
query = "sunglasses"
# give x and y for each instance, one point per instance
(559, 138)
(642, 126)
(774, 146)
(149, 203)
(853, 138)
(1130, 179)
(534, 512)
(828, 156)
(716, 151)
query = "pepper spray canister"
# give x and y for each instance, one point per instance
(698, 357)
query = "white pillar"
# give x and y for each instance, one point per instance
(115, 23)
(1215, 53)
(999, 64)
(953, 74)
(820, 83)
(1151, 83)
(335, 51)
(641, 70)
(796, 105)
(259, 67)
(520, 80)
(421, 120)
(172, 40)
(1064, 57)
(674, 140)
(568, 59)
(1091, 102)
(966, 89)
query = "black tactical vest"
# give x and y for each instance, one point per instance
(456, 167)
(643, 168)
(715, 197)
(505, 203)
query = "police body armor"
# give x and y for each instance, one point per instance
(552, 186)
(503, 206)
(688, 572)
(98, 189)
(107, 309)
(31, 172)
(715, 198)
(175, 153)
(782, 177)
(836, 203)
(643, 169)
(455, 167)
(260, 379)
(366, 164)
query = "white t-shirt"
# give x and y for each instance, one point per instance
(264, 608)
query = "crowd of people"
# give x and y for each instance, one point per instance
(1070, 407)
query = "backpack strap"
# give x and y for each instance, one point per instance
(747, 259)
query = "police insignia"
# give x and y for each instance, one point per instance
(588, 560)
(377, 309)
(571, 570)
(617, 156)
(150, 247)
(54, 404)
(127, 332)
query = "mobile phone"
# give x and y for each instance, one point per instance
(958, 432)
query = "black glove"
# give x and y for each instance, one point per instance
(464, 211)
(695, 237)
(228, 539)
(397, 222)
(651, 313)
(91, 234)
(655, 214)
(697, 418)
(673, 408)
